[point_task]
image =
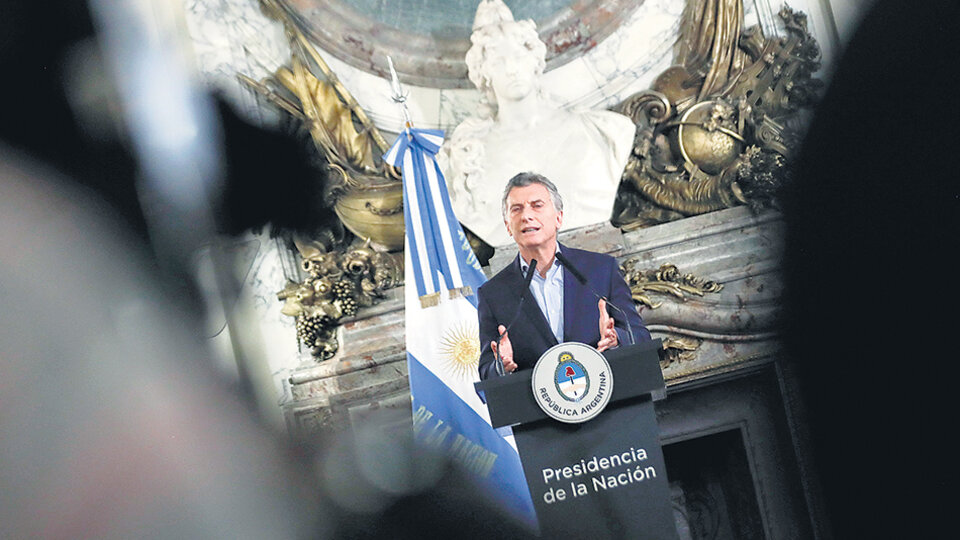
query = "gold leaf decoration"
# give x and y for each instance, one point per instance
(665, 280)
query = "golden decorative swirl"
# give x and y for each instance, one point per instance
(676, 192)
(650, 106)
(769, 135)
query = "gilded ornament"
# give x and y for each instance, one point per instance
(711, 133)
(665, 280)
(336, 286)
(679, 349)
(366, 194)
(374, 212)
(706, 136)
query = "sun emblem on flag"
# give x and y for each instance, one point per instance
(460, 350)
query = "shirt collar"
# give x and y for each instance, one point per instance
(524, 264)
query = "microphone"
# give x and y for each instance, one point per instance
(523, 296)
(583, 281)
(529, 277)
(573, 270)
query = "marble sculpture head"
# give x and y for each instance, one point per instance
(507, 57)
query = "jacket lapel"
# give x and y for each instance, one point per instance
(531, 309)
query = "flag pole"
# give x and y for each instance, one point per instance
(399, 95)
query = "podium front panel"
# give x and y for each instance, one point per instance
(604, 478)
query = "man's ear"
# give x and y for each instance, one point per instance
(559, 219)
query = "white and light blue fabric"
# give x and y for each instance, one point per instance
(548, 292)
(441, 267)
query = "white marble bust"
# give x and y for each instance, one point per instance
(518, 128)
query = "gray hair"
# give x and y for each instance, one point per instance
(525, 179)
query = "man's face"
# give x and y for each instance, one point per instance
(532, 220)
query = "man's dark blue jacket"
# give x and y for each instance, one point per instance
(531, 335)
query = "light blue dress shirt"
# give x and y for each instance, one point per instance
(548, 292)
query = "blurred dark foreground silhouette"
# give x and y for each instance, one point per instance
(869, 305)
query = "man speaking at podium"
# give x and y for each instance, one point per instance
(569, 291)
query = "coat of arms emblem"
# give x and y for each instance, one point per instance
(571, 378)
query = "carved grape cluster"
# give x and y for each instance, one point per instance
(348, 306)
(308, 329)
(343, 289)
(316, 332)
(337, 286)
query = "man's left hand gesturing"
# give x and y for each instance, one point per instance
(608, 334)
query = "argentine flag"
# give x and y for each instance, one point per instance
(442, 276)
